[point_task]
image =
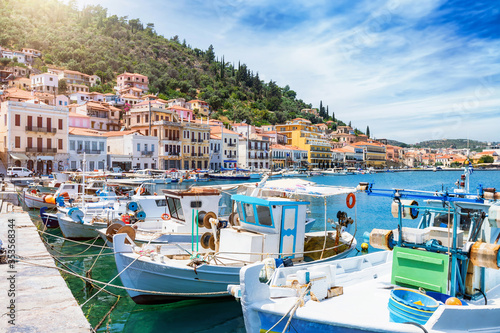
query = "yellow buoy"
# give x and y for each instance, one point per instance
(453, 301)
(364, 247)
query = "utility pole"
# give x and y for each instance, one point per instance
(149, 102)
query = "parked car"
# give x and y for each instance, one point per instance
(19, 172)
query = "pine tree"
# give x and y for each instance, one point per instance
(321, 108)
(327, 112)
(368, 131)
(350, 124)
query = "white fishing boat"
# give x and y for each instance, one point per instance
(442, 276)
(333, 172)
(268, 223)
(35, 198)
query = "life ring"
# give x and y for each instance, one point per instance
(350, 200)
(165, 216)
(141, 190)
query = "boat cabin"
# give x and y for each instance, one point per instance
(273, 226)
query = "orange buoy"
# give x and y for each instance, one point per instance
(350, 200)
(453, 301)
(165, 216)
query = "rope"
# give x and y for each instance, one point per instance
(67, 239)
(126, 288)
(292, 310)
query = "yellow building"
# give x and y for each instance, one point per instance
(301, 133)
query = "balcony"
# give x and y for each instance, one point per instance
(41, 150)
(231, 144)
(89, 151)
(40, 129)
(146, 153)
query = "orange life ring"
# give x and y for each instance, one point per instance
(165, 216)
(141, 189)
(350, 200)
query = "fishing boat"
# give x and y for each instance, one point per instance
(297, 173)
(36, 198)
(269, 222)
(173, 224)
(442, 276)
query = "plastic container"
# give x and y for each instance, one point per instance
(407, 305)
(413, 235)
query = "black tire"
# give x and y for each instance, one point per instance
(14, 175)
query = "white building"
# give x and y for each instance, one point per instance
(45, 82)
(215, 162)
(131, 149)
(229, 149)
(34, 135)
(254, 154)
(92, 144)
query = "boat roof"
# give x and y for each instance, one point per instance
(193, 191)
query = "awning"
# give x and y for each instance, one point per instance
(230, 161)
(121, 158)
(45, 158)
(19, 156)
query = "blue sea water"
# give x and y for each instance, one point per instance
(225, 315)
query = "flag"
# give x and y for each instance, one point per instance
(470, 170)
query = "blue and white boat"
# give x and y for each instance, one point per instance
(267, 223)
(442, 276)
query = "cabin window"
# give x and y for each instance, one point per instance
(264, 215)
(195, 204)
(161, 203)
(249, 213)
(175, 208)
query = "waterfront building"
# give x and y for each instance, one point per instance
(20, 83)
(348, 156)
(229, 149)
(34, 135)
(215, 162)
(195, 145)
(301, 133)
(130, 149)
(92, 143)
(253, 152)
(286, 156)
(374, 153)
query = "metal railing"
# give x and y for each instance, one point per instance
(89, 151)
(41, 129)
(40, 150)
(146, 153)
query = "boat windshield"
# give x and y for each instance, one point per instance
(175, 208)
(465, 220)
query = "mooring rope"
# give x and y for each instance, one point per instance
(292, 310)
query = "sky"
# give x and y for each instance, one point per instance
(410, 70)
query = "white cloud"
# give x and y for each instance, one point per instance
(374, 63)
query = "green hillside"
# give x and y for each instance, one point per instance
(92, 42)
(452, 143)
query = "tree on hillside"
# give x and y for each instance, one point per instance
(62, 86)
(368, 131)
(486, 159)
(210, 54)
(5, 61)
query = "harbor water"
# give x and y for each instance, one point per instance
(90, 259)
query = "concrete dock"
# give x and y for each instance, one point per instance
(34, 298)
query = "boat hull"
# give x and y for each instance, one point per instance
(78, 231)
(34, 201)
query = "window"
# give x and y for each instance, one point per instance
(249, 213)
(60, 124)
(138, 147)
(153, 149)
(146, 118)
(49, 143)
(264, 215)
(18, 142)
(161, 202)
(175, 208)
(138, 119)
(109, 149)
(94, 145)
(101, 146)
(60, 144)
(18, 120)
(30, 142)
(145, 147)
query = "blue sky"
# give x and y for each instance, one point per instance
(411, 70)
